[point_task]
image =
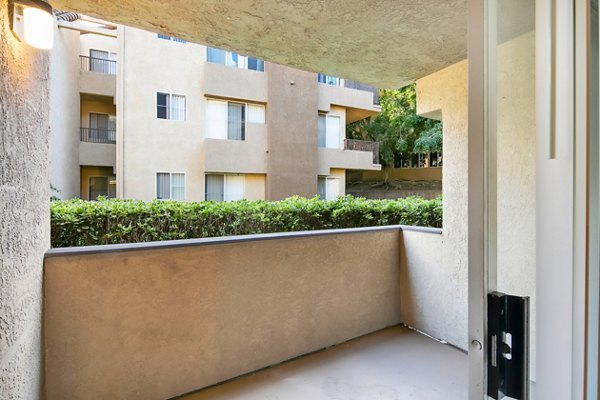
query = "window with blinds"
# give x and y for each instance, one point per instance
(170, 106)
(220, 187)
(170, 186)
(104, 62)
(227, 120)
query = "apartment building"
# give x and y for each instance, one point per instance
(140, 115)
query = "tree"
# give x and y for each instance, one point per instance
(398, 129)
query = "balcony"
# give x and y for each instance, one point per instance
(363, 145)
(98, 65)
(247, 156)
(361, 101)
(158, 320)
(220, 80)
(356, 155)
(97, 147)
(335, 81)
(98, 76)
(91, 135)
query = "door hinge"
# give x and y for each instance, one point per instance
(508, 346)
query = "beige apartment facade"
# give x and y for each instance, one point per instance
(159, 117)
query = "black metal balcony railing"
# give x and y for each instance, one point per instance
(92, 135)
(99, 65)
(363, 145)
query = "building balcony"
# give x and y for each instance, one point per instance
(92, 135)
(223, 81)
(97, 147)
(248, 156)
(159, 320)
(363, 145)
(98, 76)
(356, 155)
(359, 102)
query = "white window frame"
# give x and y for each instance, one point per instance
(224, 188)
(170, 185)
(170, 106)
(339, 141)
(328, 179)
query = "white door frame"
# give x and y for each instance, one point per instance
(561, 119)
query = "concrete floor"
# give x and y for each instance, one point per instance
(393, 364)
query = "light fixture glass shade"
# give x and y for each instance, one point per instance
(38, 30)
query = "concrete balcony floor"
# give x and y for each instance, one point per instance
(395, 363)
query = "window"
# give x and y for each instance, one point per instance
(329, 131)
(170, 106)
(328, 188)
(435, 159)
(103, 62)
(102, 186)
(102, 128)
(166, 37)
(170, 186)
(219, 187)
(227, 120)
(231, 59)
(329, 80)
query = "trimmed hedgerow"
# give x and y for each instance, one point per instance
(83, 223)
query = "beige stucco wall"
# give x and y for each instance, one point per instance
(64, 113)
(149, 145)
(443, 95)
(24, 214)
(98, 42)
(97, 83)
(237, 156)
(233, 83)
(255, 186)
(100, 154)
(158, 323)
(428, 288)
(347, 159)
(292, 133)
(361, 102)
(516, 173)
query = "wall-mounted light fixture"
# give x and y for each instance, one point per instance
(32, 22)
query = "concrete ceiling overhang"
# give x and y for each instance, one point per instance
(387, 43)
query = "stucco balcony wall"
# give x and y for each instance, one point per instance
(158, 320)
(98, 154)
(234, 83)
(345, 159)
(237, 156)
(359, 103)
(96, 83)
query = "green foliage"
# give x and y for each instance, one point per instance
(398, 129)
(83, 223)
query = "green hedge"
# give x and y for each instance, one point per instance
(82, 223)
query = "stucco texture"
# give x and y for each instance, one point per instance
(398, 40)
(24, 214)
(443, 96)
(152, 324)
